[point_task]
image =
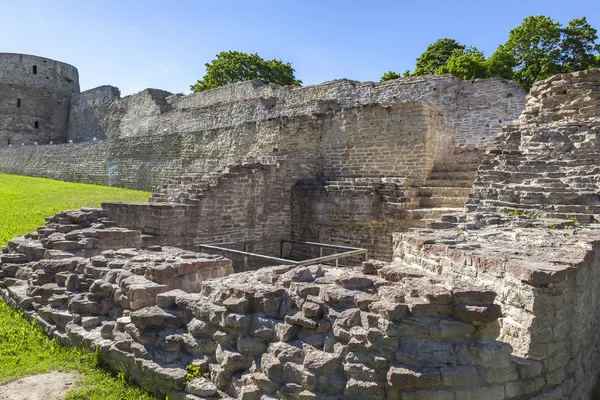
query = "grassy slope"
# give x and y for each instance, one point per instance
(24, 349)
(25, 201)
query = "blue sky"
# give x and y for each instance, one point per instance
(164, 44)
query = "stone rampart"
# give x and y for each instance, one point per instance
(401, 139)
(475, 110)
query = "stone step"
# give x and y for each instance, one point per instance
(453, 175)
(432, 213)
(494, 205)
(436, 224)
(149, 240)
(467, 183)
(444, 192)
(429, 202)
(456, 167)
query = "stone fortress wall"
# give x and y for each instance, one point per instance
(35, 95)
(154, 135)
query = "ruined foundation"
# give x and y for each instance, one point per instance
(494, 300)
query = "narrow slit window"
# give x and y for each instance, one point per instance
(9, 141)
(35, 69)
(18, 103)
(37, 124)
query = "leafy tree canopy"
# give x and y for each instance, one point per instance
(538, 48)
(436, 55)
(579, 46)
(465, 64)
(234, 66)
(388, 76)
(535, 45)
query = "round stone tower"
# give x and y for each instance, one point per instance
(35, 94)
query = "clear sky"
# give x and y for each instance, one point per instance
(164, 44)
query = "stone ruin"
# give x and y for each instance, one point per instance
(499, 301)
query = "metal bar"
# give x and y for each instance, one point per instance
(244, 253)
(243, 242)
(245, 263)
(320, 251)
(332, 257)
(331, 246)
(337, 262)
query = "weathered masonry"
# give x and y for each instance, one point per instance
(35, 95)
(497, 302)
(141, 141)
(497, 299)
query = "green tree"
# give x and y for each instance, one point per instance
(578, 47)
(465, 64)
(535, 46)
(436, 55)
(388, 76)
(501, 63)
(234, 66)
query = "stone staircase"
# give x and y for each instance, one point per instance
(443, 196)
(191, 188)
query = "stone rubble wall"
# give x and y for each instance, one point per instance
(530, 234)
(378, 331)
(547, 163)
(548, 297)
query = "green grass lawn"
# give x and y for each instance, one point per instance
(24, 349)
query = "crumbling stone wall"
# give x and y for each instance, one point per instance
(247, 202)
(546, 164)
(475, 110)
(35, 93)
(530, 235)
(87, 109)
(360, 212)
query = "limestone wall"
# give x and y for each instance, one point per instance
(247, 203)
(402, 139)
(80, 162)
(530, 234)
(86, 112)
(476, 110)
(352, 212)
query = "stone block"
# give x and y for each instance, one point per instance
(460, 375)
(413, 378)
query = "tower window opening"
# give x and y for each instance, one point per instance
(35, 69)
(18, 103)
(37, 124)
(9, 141)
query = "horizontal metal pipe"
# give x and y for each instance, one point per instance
(331, 246)
(245, 253)
(332, 257)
